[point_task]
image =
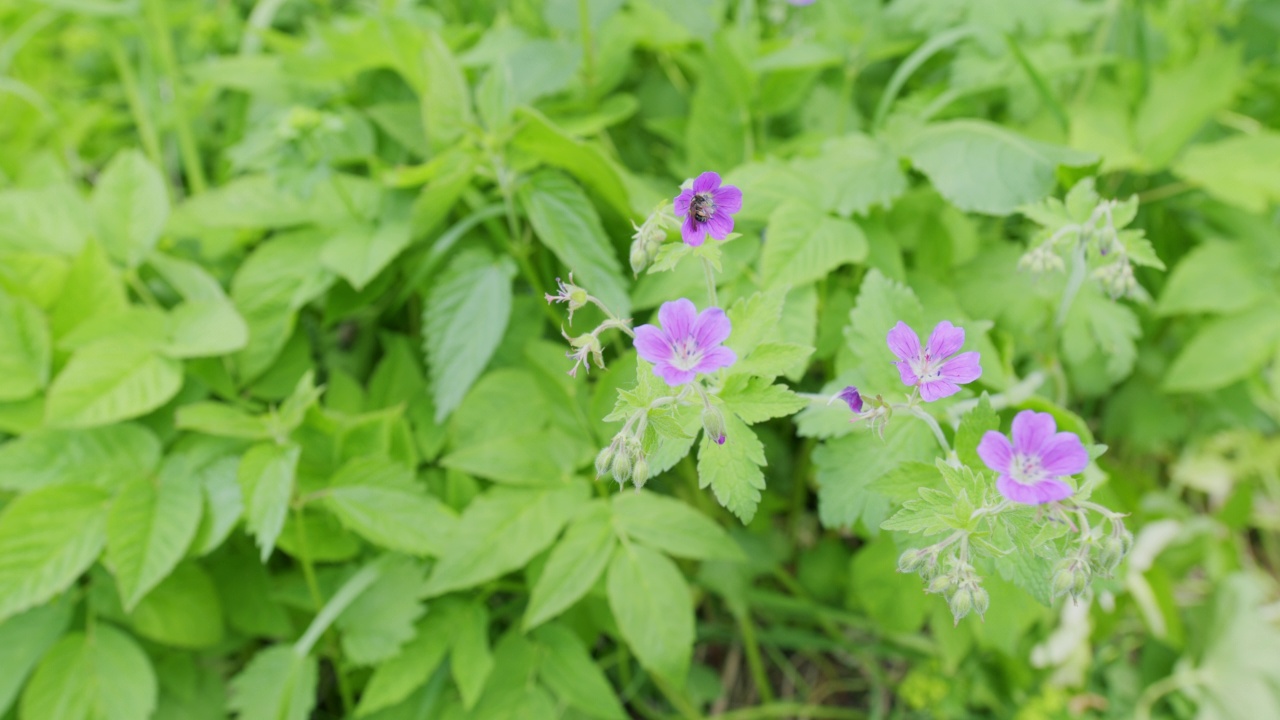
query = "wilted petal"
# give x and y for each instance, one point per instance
(728, 199)
(945, 340)
(682, 202)
(1031, 430)
(963, 368)
(711, 328)
(932, 390)
(995, 451)
(1063, 454)
(716, 358)
(903, 342)
(1046, 491)
(677, 318)
(906, 373)
(692, 232)
(652, 345)
(706, 182)
(852, 398)
(720, 225)
(671, 375)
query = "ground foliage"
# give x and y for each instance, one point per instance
(285, 429)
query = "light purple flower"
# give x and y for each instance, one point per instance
(932, 368)
(688, 342)
(1032, 467)
(801, 2)
(707, 208)
(852, 398)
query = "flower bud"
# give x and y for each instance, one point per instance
(1111, 554)
(639, 472)
(713, 424)
(981, 601)
(621, 468)
(961, 603)
(852, 398)
(639, 257)
(911, 560)
(603, 461)
(1063, 578)
(941, 583)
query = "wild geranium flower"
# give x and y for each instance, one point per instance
(707, 208)
(932, 368)
(688, 342)
(851, 397)
(1032, 467)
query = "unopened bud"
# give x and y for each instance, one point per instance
(713, 424)
(981, 601)
(639, 257)
(1111, 554)
(941, 583)
(639, 472)
(961, 603)
(621, 468)
(852, 398)
(910, 561)
(603, 461)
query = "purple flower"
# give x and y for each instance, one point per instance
(852, 398)
(801, 2)
(709, 209)
(1032, 467)
(932, 368)
(688, 342)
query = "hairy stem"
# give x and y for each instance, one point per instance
(1075, 281)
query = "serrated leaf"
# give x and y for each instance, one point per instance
(903, 483)
(471, 660)
(379, 500)
(131, 205)
(857, 172)
(574, 566)
(278, 684)
(926, 515)
(1216, 277)
(151, 524)
(805, 245)
(359, 253)
(975, 423)
(48, 538)
(108, 382)
(651, 603)
(107, 456)
(771, 359)
(881, 304)
(101, 675)
(266, 476)
(1239, 170)
(381, 619)
(25, 348)
(754, 319)
(568, 669)
(1225, 350)
(755, 400)
(221, 420)
(848, 466)
(672, 526)
(395, 679)
(732, 470)
(465, 317)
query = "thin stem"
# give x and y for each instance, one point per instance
(709, 272)
(129, 81)
(933, 425)
(144, 292)
(1015, 395)
(588, 48)
(1079, 267)
(752, 647)
(192, 166)
(1162, 687)
(793, 710)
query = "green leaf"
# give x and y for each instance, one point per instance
(25, 348)
(381, 619)
(466, 315)
(380, 500)
(204, 328)
(848, 466)
(131, 207)
(904, 481)
(755, 400)
(654, 611)
(50, 218)
(981, 167)
(446, 101)
(359, 252)
(852, 174)
(278, 684)
(568, 669)
(881, 304)
(259, 202)
(24, 639)
(565, 221)
(106, 456)
(1239, 170)
(975, 423)
(1099, 327)
(892, 599)
(754, 319)
(771, 359)
(151, 524)
(574, 565)
(190, 280)
(672, 526)
(1225, 350)
(1216, 277)
(108, 382)
(733, 469)
(542, 139)
(1182, 100)
(500, 531)
(92, 290)
(221, 420)
(805, 245)
(182, 611)
(102, 675)
(48, 538)
(395, 679)
(266, 477)
(471, 660)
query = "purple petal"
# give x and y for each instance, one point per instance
(1046, 491)
(693, 232)
(671, 375)
(945, 340)
(720, 224)
(1063, 454)
(995, 451)
(906, 373)
(716, 358)
(677, 318)
(932, 390)
(963, 368)
(728, 199)
(706, 182)
(903, 342)
(682, 202)
(1031, 430)
(711, 328)
(852, 398)
(652, 345)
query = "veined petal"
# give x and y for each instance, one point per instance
(682, 202)
(931, 390)
(711, 328)
(720, 224)
(906, 373)
(963, 368)
(728, 199)
(672, 375)
(716, 358)
(652, 344)
(1063, 454)
(706, 182)
(995, 451)
(692, 232)
(1031, 430)
(903, 342)
(945, 340)
(1046, 491)
(677, 318)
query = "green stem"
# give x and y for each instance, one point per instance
(752, 647)
(933, 425)
(129, 81)
(158, 26)
(793, 710)
(922, 54)
(588, 47)
(1075, 281)
(144, 292)
(1162, 687)
(304, 555)
(709, 272)
(678, 701)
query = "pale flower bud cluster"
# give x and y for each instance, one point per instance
(624, 460)
(586, 347)
(649, 236)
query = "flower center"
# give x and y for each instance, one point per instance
(926, 368)
(685, 354)
(1026, 469)
(703, 206)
